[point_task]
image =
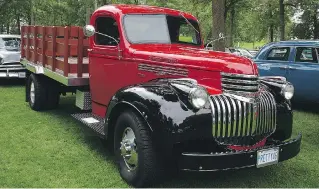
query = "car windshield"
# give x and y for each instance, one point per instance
(10, 43)
(163, 29)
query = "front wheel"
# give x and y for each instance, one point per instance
(135, 152)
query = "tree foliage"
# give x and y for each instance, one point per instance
(244, 20)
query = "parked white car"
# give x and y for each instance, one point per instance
(10, 54)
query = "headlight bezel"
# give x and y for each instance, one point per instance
(196, 100)
(287, 91)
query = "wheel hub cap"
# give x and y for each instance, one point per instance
(129, 149)
(32, 93)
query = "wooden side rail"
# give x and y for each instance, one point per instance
(60, 49)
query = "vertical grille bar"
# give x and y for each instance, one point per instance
(239, 119)
(248, 117)
(214, 114)
(245, 119)
(242, 119)
(223, 117)
(268, 123)
(227, 129)
(264, 107)
(233, 123)
(264, 114)
(252, 122)
(217, 129)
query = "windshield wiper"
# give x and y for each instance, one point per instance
(188, 22)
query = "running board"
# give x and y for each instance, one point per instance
(94, 122)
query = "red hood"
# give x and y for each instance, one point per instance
(195, 57)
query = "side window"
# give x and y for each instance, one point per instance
(279, 53)
(306, 54)
(108, 26)
(187, 34)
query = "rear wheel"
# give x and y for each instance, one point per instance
(42, 94)
(135, 152)
(37, 93)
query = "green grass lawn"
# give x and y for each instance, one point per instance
(251, 46)
(50, 149)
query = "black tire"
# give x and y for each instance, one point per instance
(39, 101)
(148, 170)
(53, 95)
(46, 93)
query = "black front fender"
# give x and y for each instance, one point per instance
(169, 115)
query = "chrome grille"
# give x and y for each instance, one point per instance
(239, 83)
(237, 122)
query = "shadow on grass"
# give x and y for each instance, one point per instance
(12, 82)
(90, 138)
(309, 107)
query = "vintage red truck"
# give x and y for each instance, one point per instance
(145, 82)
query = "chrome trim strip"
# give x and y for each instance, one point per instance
(11, 68)
(239, 75)
(240, 98)
(241, 87)
(236, 81)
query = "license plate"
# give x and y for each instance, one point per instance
(22, 74)
(267, 157)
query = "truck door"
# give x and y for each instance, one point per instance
(105, 65)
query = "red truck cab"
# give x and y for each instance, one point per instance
(147, 84)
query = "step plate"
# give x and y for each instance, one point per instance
(94, 122)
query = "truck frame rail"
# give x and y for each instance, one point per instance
(57, 52)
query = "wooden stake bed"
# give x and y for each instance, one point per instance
(57, 52)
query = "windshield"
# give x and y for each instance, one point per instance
(165, 29)
(10, 43)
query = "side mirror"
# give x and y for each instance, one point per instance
(88, 30)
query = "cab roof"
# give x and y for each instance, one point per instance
(296, 43)
(142, 9)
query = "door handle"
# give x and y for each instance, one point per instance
(283, 67)
(90, 50)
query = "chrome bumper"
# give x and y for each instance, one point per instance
(236, 160)
(12, 71)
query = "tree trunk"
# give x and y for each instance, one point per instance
(8, 27)
(18, 24)
(316, 23)
(218, 9)
(232, 26)
(282, 19)
(271, 33)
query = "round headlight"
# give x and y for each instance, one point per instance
(288, 91)
(198, 97)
